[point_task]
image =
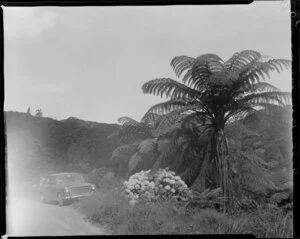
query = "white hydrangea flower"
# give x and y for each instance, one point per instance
(137, 186)
(131, 186)
(135, 196)
(172, 181)
(162, 183)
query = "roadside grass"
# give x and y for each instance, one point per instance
(112, 210)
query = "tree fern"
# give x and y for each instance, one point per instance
(220, 92)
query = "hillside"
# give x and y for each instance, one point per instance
(36, 145)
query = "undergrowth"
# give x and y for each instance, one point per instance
(164, 217)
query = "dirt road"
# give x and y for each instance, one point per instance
(29, 217)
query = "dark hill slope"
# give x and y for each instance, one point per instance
(36, 145)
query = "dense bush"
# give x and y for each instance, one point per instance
(104, 179)
(150, 186)
(166, 217)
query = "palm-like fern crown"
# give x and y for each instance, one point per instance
(215, 92)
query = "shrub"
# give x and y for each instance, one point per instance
(162, 184)
(112, 210)
(103, 178)
(271, 221)
(166, 217)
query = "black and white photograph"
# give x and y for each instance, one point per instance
(149, 120)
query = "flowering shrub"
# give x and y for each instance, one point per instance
(154, 185)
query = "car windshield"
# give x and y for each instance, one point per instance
(70, 178)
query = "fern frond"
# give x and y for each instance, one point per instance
(181, 64)
(167, 107)
(278, 97)
(134, 161)
(169, 88)
(164, 146)
(146, 147)
(257, 71)
(124, 151)
(151, 118)
(130, 132)
(239, 114)
(255, 88)
(168, 123)
(241, 59)
(273, 110)
(203, 67)
(127, 121)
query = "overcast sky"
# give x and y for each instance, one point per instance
(90, 62)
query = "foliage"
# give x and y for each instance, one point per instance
(39, 113)
(166, 217)
(103, 178)
(166, 140)
(160, 184)
(271, 222)
(214, 93)
(246, 138)
(29, 111)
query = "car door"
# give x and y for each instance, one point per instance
(45, 188)
(52, 187)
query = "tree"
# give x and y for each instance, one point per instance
(139, 141)
(39, 113)
(29, 111)
(214, 93)
(152, 144)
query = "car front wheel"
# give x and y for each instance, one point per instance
(42, 198)
(60, 200)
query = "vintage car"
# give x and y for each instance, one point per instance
(63, 187)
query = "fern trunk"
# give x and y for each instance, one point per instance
(219, 170)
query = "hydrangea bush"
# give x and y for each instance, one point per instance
(161, 184)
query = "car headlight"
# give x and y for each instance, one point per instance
(66, 189)
(93, 187)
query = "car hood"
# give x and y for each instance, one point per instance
(70, 185)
